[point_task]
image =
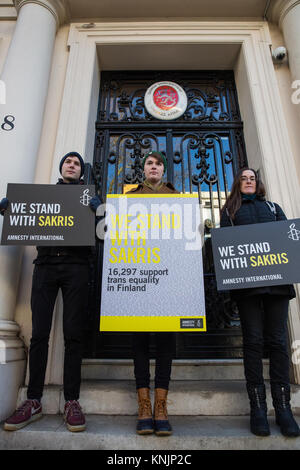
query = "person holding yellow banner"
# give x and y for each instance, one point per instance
(154, 165)
(263, 313)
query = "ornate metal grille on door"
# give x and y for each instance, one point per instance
(204, 148)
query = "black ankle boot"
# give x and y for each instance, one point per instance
(258, 410)
(283, 412)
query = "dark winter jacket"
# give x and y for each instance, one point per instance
(143, 188)
(63, 254)
(254, 211)
(257, 211)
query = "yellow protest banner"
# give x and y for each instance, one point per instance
(152, 269)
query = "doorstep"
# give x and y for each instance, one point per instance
(182, 369)
(118, 433)
(185, 398)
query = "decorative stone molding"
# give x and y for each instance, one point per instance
(287, 15)
(11, 346)
(279, 9)
(265, 128)
(56, 7)
(8, 10)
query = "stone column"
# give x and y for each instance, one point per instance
(26, 75)
(286, 13)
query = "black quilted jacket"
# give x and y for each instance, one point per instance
(63, 254)
(253, 212)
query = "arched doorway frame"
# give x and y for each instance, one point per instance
(265, 131)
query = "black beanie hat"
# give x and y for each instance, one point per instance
(72, 154)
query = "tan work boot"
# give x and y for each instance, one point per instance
(162, 426)
(145, 421)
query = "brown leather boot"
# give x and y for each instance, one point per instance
(145, 421)
(162, 426)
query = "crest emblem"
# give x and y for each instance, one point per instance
(165, 97)
(165, 100)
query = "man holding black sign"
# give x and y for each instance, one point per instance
(65, 268)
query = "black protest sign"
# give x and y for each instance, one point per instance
(257, 255)
(47, 214)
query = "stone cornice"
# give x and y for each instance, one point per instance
(279, 9)
(56, 7)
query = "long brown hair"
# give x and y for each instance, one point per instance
(234, 200)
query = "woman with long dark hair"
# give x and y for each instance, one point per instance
(263, 313)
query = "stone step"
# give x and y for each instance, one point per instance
(182, 369)
(117, 433)
(186, 398)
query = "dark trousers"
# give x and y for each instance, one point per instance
(264, 318)
(73, 280)
(164, 352)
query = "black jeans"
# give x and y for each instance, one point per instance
(47, 279)
(264, 318)
(163, 364)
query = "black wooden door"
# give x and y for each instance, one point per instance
(204, 149)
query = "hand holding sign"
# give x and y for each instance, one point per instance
(94, 203)
(3, 205)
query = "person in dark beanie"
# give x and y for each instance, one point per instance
(72, 154)
(65, 268)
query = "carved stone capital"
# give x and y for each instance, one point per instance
(279, 9)
(56, 7)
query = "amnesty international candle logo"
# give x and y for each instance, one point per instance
(293, 233)
(41, 214)
(256, 255)
(85, 198)
(152, 250)
(165, 100)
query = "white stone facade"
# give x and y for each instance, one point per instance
(51, 56)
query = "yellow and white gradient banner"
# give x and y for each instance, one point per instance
(152, 266)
